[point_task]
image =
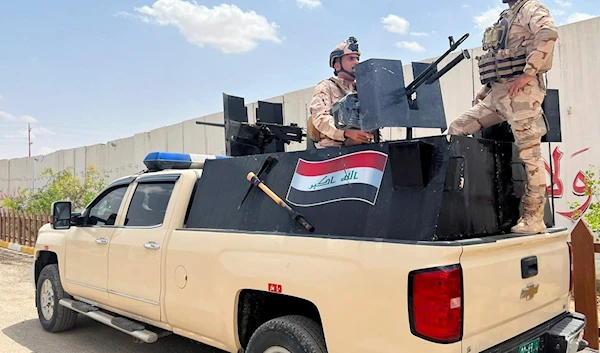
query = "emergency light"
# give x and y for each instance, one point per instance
(156, 161)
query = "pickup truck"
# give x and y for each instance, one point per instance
(148, 257)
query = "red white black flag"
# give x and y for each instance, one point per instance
(355, 176)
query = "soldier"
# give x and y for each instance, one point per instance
(321, 127)
(519, 49)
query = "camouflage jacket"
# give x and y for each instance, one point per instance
(327, 93)
(534, 29)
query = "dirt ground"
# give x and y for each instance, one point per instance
(21, 332)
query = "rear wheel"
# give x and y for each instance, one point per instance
(288, 334)
(53, 317)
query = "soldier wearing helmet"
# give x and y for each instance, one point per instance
(519, 51)
(321, 126)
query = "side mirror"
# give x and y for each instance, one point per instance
(61, 215)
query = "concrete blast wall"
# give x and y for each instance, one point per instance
(575, 72)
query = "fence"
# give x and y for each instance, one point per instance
(21, 228)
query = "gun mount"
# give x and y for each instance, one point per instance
(267, 135)
(260, 135)
(383, 100)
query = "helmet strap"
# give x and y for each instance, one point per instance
(344, 70)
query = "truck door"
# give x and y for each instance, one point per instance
(87, 245)
(135, 256)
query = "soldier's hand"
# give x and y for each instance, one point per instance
(479, 97)
(517, 83)
(359, 136)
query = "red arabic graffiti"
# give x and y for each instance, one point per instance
(579, 184)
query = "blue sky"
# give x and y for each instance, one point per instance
(87, 72)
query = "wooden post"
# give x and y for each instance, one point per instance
(2, 221)
(584, 269)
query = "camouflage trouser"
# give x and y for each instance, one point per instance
(524, 113)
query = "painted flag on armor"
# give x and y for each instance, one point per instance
(355, 176)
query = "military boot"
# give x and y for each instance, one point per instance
(532, 221)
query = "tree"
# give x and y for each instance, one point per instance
(592, 215)
(61, 186)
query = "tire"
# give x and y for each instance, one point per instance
(53, 317)
(288, 334)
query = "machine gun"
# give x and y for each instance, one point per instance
(430, 74)
(384, 101)
(259, 135)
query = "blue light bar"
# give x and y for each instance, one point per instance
(173, 160)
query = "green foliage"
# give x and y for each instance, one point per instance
(61, 186)
(592, 215)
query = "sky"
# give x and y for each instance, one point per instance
(88, 72)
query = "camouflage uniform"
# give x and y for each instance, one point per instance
(326, 94)
(534, 31)
(321, 125)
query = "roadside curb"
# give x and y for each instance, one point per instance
(17, 247)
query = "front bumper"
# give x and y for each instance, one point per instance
(563, 334)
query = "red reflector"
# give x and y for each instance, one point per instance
(436, 304)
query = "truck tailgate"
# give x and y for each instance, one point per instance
(512, 285)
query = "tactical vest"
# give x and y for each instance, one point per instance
(500, 61)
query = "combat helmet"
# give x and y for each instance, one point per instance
(349, 46)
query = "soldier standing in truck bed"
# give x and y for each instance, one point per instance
(519, 49)
(321, 126)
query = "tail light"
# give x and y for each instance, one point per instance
(435, 299)
(571, 282)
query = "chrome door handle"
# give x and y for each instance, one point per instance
(102, 241)
(152, 245)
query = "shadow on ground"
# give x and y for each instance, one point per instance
(90, 336)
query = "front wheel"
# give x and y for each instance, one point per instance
(53, 317)
(288, 334)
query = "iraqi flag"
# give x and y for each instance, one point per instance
(355, 176)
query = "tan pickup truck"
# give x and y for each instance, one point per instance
(134, 261)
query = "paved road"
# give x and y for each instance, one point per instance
(20, 331)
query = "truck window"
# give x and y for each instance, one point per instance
(149, 204)
(104, 211)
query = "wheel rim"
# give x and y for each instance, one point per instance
(276, 349)
(47, 300)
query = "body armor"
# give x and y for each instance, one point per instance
(500, 61)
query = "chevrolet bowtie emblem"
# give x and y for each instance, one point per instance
(529, 291)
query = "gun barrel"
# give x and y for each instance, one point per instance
(210, 124)
(452, 64)
(429, 71)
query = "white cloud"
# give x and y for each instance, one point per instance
(487, 18)
(411, 46)
(578, 16)
(310, 4)
(395, 24)
(563, 3)
(0, 96)
(465, 6)
(419, 34)
(23, 118)
(45, 150)
(557, 12)
(225, 27)
(124, 14)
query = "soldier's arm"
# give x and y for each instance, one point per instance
(539, 21)
(320, 110)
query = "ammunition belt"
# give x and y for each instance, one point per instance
(504, 64)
